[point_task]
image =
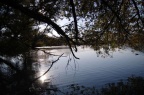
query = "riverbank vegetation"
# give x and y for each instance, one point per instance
(97, 23)
(132, 86)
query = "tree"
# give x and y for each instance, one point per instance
(112, 21)
(104, 22)
(16, 31)
(116, 16)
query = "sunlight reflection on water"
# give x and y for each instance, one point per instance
(43, 78)
(94, 67)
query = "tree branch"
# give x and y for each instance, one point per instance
(75, 19)
(48, 68)
(138, 13)
(37, 16)
(8, 64)
(51, 53)
(116, 14)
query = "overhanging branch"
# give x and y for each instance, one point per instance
(37, 16)
(138, 13)
(75, 19)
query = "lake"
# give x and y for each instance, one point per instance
(94, 68)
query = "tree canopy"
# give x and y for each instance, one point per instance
(99, 23)
(109, 20)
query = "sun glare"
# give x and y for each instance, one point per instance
(43, 78)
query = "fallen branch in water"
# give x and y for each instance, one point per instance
(48, 68)
(52, 54)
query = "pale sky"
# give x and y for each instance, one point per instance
(61, 23)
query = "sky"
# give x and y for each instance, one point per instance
(61, 23)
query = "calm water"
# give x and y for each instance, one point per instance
(94, 68)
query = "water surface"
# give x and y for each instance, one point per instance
(94, 68)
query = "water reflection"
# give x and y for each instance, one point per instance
(19, 75)
(108, 66)
(45, 58)
(41, 71)
(43, 78)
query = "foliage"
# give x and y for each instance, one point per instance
(19, 33)
(16, 32)
(104, 22)
(133, 86)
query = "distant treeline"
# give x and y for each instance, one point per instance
(50, 41)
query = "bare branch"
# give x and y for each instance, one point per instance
(48, 68)
(52, 54)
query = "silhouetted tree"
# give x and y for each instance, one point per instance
(104, 22)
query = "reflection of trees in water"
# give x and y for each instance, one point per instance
(111, 40)
(21, 76)
(18, 76)
(15, 78)
(118, 22)
(106, 51)
(132, 86)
